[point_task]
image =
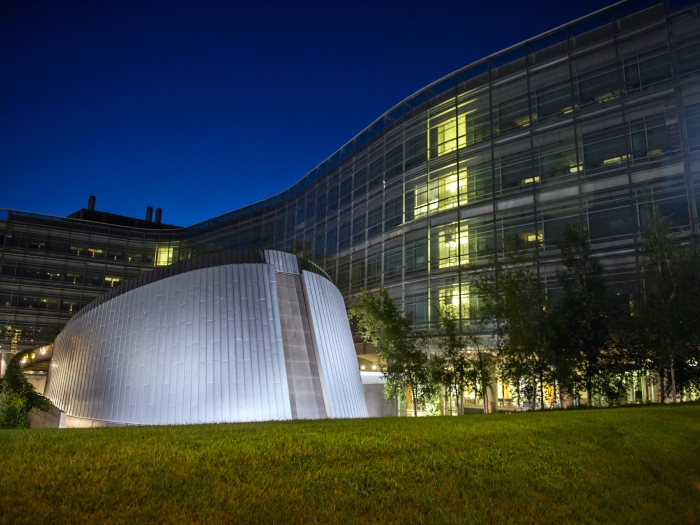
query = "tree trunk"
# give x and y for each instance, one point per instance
(663, 386)
(542, 390)
(589, 390)
(673, 381)
(415, 403)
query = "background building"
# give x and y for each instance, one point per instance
(589, 123)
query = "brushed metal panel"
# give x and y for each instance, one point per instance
(342, 384)
(198, 346)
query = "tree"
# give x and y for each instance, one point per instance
(513, 299)
(462, 360)
(18, 397)
(668, 317)
(583, 311)
(400, 350)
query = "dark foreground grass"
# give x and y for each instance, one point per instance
(636, 465)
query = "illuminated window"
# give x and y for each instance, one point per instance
(447, 190)
(452, 247)
(455, 299)
(164, 255)
(448, 134)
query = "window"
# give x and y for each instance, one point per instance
(416, 151)
(331, 241)
(358, 229)
(605, 221)
(345, 191)
(555, 160)
(344, 235)
(688, 56)
(553, 100)
(448, 134)
(375, 174)
(446, 190)
(374, 269)
(449, 245)
(479, 181)
(416, 256)
(357, 273)
(374, 222)
(599, 86)
(392, 263)
(692, 126)
(605, 148)
(455, 299)
(393, 213)
(647, 70)
(512, 114)
(164, 255)
(416, 309)
(360, 183)
(516, 170)
(393, 163)
(519, 233)
(650, 138)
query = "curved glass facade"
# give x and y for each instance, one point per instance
(587, 123)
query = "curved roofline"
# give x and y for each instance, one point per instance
(211, 260)
(644, 5)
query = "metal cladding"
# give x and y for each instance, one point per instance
(207, 345)
(342, 385)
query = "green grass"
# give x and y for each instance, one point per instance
(630, 465)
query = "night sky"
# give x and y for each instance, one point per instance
(202, 107)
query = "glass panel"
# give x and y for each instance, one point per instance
(449, 246)
(164, 255)
(599, 86)
(605, 148)
(455, 298)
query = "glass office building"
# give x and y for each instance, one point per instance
(589, 123)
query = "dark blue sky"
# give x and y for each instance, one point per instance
(203, 107)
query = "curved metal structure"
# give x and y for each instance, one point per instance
(219, 341)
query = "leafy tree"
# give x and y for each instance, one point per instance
(400, 351)
(668, 317)
(450, 363)
(583, 312)
(18, 397)
(514, 299)
(463, 360)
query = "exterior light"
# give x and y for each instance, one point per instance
(362, 367)
(374, 367)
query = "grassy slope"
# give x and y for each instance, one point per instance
(636, 465)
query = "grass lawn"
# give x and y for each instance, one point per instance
(629, 465)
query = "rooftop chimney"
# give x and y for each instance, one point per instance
(91, 202)
(159, 215)
(149, 214)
